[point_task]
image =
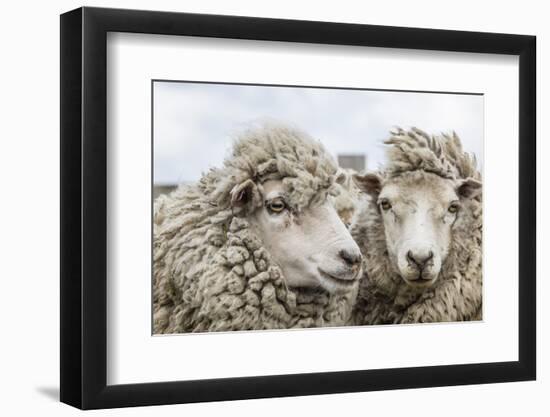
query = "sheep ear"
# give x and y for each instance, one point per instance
(369, 183)
(469, 188)
(243, 193)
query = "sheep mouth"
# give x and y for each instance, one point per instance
(342, 282)
(420, 282)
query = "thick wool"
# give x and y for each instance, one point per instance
(211, 272)
(457, 294)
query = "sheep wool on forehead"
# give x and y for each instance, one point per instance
(457, 294)
(211, 271)
(273, 152)
(415, 150)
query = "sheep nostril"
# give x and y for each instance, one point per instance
(351, 258)
(419, 260)
(410, 257)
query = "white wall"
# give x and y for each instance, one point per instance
(29, 221)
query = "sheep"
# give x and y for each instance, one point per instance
(348, 196)
(420, 233)
(255, 244)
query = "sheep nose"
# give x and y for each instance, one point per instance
(351, 257)
(420, 258)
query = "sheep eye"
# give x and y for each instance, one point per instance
(385, 204)
(276, 206)
(453, 208)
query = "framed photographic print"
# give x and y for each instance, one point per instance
(257, 207)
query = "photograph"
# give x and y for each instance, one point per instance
(255, 204)
(280, 207)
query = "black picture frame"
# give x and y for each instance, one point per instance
(84, 207)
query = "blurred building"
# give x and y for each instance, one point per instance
(357, 162)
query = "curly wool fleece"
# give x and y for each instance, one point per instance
(211, 272)
(457, 294)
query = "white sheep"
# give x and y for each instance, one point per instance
(256, 244)
(421, 233)
(348, 197)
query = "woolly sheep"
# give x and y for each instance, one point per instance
(348, 197)
(421, 233)
(255, 244)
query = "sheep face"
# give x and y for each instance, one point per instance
(418, 211)
(312, 247)
(347, 196)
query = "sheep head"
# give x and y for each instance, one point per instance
(348, 196)
(419, 199)
(311, 245)
(418, 211)
(282, 183)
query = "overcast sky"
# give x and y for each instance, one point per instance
(194, 123)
